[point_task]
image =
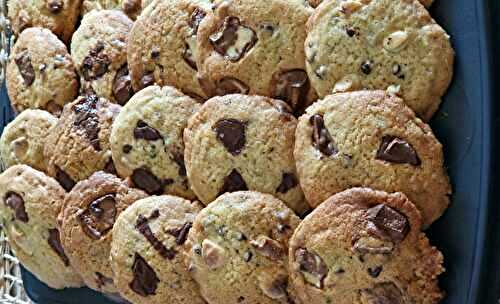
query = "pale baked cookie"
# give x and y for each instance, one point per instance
(370, 139)
(380, 44)
(23, 139)
(238, 249)
(255, 47)
(148, 248)
(162, 45)
(147, 140)
(30, 204)
(99, 49)
(363, 246)
(40, 72)
(89, 213)
(239, 142)
(79, 143)
(131, 8)
(59, 16)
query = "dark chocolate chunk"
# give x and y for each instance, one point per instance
(147, 80)
(155, 53)
(233, 182)
(351, 31)
(282, 106)
(143, 131)
(292, 87)
(87, 119)
(64, 179)
(233, 40)
(131, 7)
(288, 181)
(96, 63)
(383, 293)
(313, 265)
(321, 138)
(387, 223)
(126, 149)
(110, 167)
(188, 57)
(55, 243)
(196, 18)
(178, 157)
(396, 150)
(366, 67)
(23, 62)
(147, 181)
(102, 280)
(375, 272)
(122, 86)
(181, 233)
(55, 6)
(231, 133)
(145, 280)
(269, 248)
(142, 225)
(99, 217)
(16, 203)
(231, 85)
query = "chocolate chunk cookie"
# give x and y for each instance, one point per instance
(79, 143)
(147, 143)
(23, 139)
(40, 72)
(162, 46)
(380, 44)
(238, 142)
(148, 249)
(99, 48)
(370, 139)
(255, 47)
(364, 246)
(30, 203)
(131, 8)
(59, 16)
(238, 249)
(90, 211)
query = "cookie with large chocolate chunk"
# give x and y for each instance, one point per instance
(370, 139)
(148, 248)
(29, 204)
(99, 48)
(162, 47)
(239, 142)
(256, 48)
(238, 249)
(86, 222)
(147, 140)
(40, 72)
(380, 45)
(78, 145)
(364, 246)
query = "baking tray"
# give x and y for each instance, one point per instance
(469, 232)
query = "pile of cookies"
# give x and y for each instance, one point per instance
(233, 151)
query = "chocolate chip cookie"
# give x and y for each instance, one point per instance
(131, 8)
(162, 45)
(370, 139)
(79, 143)
(316, 3)
(40, 72)
(255, 47)
(147, 251)
(23, 139)
(147, 143)
(364, 246)
(59, 16)
(239, 142)
(380, 44)
(28, 211)
(99, 48)
(238, 249)
(89, 213)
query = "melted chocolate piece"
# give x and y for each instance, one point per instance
(147, 181)
(23, 62)
(178, 158)
(146, 132)
(142, 225)
(233, 182)
(387, 223)
(87, 119)
(55, 6)
(396, 150)
(96, 63)
(102, 280)
(321, 138)
(64, 179)
(122, 86)
(313, 265)
(147, 80)
(233, 40)
(288, 181)
(292, 87)
(99, 217)
(55, 243)
(231, 133)
(145, 280)
(15, 202)
(181, 233)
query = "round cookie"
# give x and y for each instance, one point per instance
(99, 49)
(89, 213)
(256, 48)
(239, 142)
(370, 139)
(59, 16)
(147, 140)
(30, 204)
(147, 251)
(162, 45)
(238, 249)
(79, 143)
(131, 8)
(380, 44)
(23, 139)
(40, 72)
(364, 246)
